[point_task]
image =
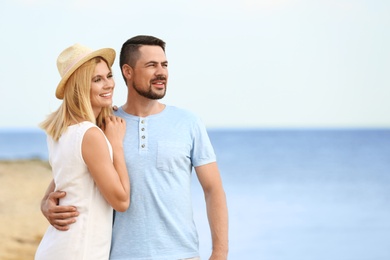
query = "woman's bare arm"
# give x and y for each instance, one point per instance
(111, 177)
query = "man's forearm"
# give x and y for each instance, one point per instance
(218, 219)
(49, 189)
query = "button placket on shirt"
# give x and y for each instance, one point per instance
(142, 134)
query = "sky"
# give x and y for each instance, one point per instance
(235, 63)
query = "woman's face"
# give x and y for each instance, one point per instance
(102, 87)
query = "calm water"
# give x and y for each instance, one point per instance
(292, 194)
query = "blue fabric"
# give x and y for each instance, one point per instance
(160, 152)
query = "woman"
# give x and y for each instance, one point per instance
(86, 155)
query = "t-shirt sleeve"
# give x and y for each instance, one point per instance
(202, 149)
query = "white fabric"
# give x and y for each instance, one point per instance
(90, 236)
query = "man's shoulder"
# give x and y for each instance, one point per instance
(185, 116)
(179, 111)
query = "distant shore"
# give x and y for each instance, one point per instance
(22, 185)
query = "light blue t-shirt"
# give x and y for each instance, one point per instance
(160, 151)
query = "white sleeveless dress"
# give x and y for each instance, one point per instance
(90, 236)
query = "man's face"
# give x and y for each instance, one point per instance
(150, 74)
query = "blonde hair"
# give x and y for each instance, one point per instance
(76, 104)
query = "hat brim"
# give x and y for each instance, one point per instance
(107, 53)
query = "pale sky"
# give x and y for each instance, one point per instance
(235, 63)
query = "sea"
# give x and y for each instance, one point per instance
(293, 194)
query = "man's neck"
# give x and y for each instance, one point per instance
(143, 108)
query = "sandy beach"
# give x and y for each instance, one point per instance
(22, 185)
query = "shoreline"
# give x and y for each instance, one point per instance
(22, 186)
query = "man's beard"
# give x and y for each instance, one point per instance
(149, 93)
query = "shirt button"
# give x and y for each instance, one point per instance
(143, 146)
(142, 121)
(143, 137)
(142, 129)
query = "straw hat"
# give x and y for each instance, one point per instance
(73, 57)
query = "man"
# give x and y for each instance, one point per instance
(162, 144)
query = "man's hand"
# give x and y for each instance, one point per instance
(59, 217)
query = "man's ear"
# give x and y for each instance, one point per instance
(127, 71)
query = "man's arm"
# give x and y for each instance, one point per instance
(217, 213)
(59, 217)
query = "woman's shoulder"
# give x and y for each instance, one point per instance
(85, 128)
